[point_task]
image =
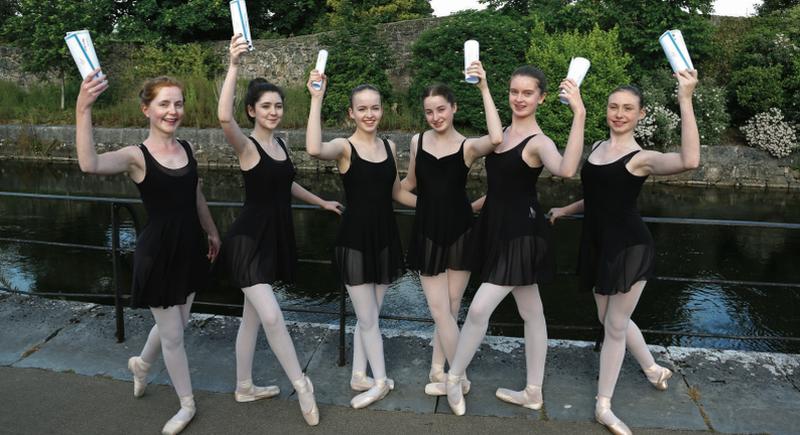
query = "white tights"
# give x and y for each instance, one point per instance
(444, 292)
(367, 300)
(529, 305)
(167, 336)
(262, 309)
(615, 314)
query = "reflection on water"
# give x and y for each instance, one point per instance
(711, 252)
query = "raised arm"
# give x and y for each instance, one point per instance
(127, 159)
(566, 165)
(314, 146)
(207, 222)
(233, 134)
(656, 163)
(409, 183)
(304, 195)
(399, 194)
(484, 145)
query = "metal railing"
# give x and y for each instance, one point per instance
(115, 204)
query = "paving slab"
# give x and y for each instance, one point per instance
(742, 392)
(43, 319)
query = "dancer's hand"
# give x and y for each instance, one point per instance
(556, 213)
(315, 76)
(91, 88)
(687, 81)
(333, 206)
(237, 48)
(570, 91)
(476, 69)
(214, 244)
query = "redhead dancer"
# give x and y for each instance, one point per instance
(617, 253)
(368, 254)
(168, 264)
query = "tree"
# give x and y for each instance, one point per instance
(344, 12)
(176, 20)
(8, 8)
(40, 27)
(769, 6)
(296, 17)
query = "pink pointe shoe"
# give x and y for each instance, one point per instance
(658, 376)
(530, 397)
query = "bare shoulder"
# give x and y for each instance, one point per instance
(539, 142)
(412, 146)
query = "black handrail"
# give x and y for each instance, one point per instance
(115, 249)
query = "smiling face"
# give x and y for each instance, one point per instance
(165, 111)
(623, 111)
(366, 110)
(267, 111)
(439, 112)
(524, 95)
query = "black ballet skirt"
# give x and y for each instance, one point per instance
(259, 247)
(616, 249)
(367, 248)
(169, 262)
(511, 241)
(443, 220)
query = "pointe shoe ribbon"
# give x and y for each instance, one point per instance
(139, 368)
(530, 397)
(437, 374)
(658, 376)
(604, 416)
(305, 395)
(374, 394)
(359, 381)
(256, 393)
(440, 388)
(455, 398)
(179, 421)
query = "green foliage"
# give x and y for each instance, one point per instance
(438, 57)
(357, 56)
(769, 6)
(758, 88)
(175, 20)
(294, 17)
(8, 8)
(347, 12)
(552, 54)
(727, 44)
(40, 28)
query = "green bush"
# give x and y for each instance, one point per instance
(438, 57)
(552, 53)
(357, 56)
(757, 88)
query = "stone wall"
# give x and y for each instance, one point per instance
(722, 165)
(282, 61)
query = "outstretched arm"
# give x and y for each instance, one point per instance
(304, 195)
(653, 162)
(114, 162)
(568, 210)
(399, 194)
(486, 144)
(314, 146)
(567, 165)
(233, 134)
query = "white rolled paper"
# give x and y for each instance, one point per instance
(82, 50)
(322, 59)
(240, 22)
(578, 67)
(675, 48)
(471, 54)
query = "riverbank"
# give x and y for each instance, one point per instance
(712, 390)
(721, 165)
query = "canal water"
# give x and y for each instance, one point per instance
(683, 250)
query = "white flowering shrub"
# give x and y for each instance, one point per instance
(658, 129)
(768, 131)
(710, 112)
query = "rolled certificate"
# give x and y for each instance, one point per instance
(675, 48)
(322, 59)
(578, 67)
(471, 50)
(240, 22)
(82, 50)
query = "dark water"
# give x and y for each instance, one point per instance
(692, 251)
